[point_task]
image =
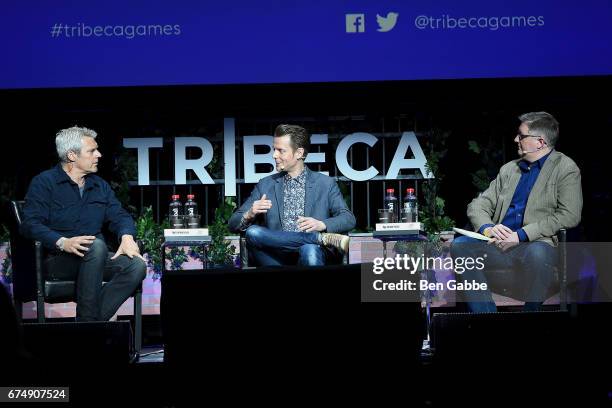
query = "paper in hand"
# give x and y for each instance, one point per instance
(471, 234)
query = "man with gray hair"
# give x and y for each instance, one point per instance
(66, 208)
(529, 201)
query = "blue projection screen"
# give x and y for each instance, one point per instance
(49, 44)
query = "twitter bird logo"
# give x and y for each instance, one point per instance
(386, 23)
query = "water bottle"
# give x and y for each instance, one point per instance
(392, 205)
(175, 213)
(411, 211)
(191, 207)
(192, 219)
(176, 207)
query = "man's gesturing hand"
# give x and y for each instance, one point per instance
(309, 224)
(128, 247)
(76, 244)
(260, 206)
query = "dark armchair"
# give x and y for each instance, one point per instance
(31, 284)
(511, 285)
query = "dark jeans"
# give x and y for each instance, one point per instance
(273, 248)
(537, 259)
(95, 301)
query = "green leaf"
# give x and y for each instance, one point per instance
(473, 146)
(152, 237)
(220, 251)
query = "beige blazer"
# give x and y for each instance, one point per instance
(555, 201)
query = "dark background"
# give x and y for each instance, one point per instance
(484, 110)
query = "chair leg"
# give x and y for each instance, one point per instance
(563, 295)
(563, 300)
(40, 309)
(19, 310)
(138, 322)
(573, 309)
(244, 254)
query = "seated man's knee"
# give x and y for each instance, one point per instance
(540, 252)
(135, 270)
(253, 235)
(311, 254)
(97, 249)
(140, 269)
(460, 245)
(540, 258)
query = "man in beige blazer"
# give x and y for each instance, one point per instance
(531, 198)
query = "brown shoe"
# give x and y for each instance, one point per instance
(338, 241)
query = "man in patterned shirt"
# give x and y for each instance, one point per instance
(295, 215)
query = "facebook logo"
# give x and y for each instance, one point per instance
(355, 23)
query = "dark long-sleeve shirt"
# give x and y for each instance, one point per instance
(54, 208)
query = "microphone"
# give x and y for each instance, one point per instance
(532, 151)
(536, 150)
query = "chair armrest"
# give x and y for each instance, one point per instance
(563, 296)
(562, 235)
(244, 253)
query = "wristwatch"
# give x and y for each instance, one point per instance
(60, 243)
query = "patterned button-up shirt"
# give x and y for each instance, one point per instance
(294, 197)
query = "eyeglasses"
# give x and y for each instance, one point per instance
(522, 136)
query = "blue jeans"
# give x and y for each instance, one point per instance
(537, 258)
(274, 248)
(94, 301)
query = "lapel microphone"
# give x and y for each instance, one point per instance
(533, 151)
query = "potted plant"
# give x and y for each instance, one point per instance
(431, 213)
(177, 258)
(220, 250)
(151, 234)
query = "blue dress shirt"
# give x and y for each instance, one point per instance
(516, 211)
